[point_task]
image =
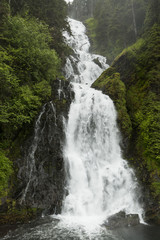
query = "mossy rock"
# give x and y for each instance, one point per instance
(13, 213)
(14, 216)
(110, 84)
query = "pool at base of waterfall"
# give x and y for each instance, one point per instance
(49, 228)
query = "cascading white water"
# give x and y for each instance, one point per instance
(100, 183)
(87, 70)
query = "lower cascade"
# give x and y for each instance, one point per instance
(99, 181)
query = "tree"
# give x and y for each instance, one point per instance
(82, 9)
(52, 12)
(27, 67)
(153, 13)
(4, 11)
(118, 24)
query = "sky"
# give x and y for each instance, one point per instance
(69, 1)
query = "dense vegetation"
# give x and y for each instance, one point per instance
(52, 12)
(138, 68)
(115, 25)
(31, 49)
(121, 24)
(110, 83)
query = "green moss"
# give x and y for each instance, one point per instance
(139, 69)
(145, 118)
(91, 26)
(133, 83)
(5, 172)
(109, 82)
(144, 101)
(156, 189)
(14, 216)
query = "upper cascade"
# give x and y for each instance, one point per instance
(82, 67)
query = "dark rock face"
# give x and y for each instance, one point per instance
(41, 169)
(96, 61)
(122, 220)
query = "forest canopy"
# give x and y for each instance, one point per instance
(113, 25)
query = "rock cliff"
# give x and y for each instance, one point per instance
(40, 167)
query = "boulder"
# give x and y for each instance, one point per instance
(121, 219)
(96, 61)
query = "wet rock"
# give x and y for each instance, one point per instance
(41, 169)
(96, 61)
(122, 219)
(71, 68)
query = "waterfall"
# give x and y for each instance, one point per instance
(99, 181)
(30, 168)
(83, 67)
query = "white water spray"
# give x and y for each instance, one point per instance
(100, 183)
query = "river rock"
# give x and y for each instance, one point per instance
(121, 219)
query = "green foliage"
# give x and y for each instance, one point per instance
(115, 25)
(31, 42)
(109, 82)
(156, 188)
(5, 172)
(52, 12)
(82, 9)
(140, 63)
(16, 214)
(148, 141)
(152, 14)
(118, 23)
(27, 67)
(139, 69)
(4, 11)
(27, 41)
(91, 26)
